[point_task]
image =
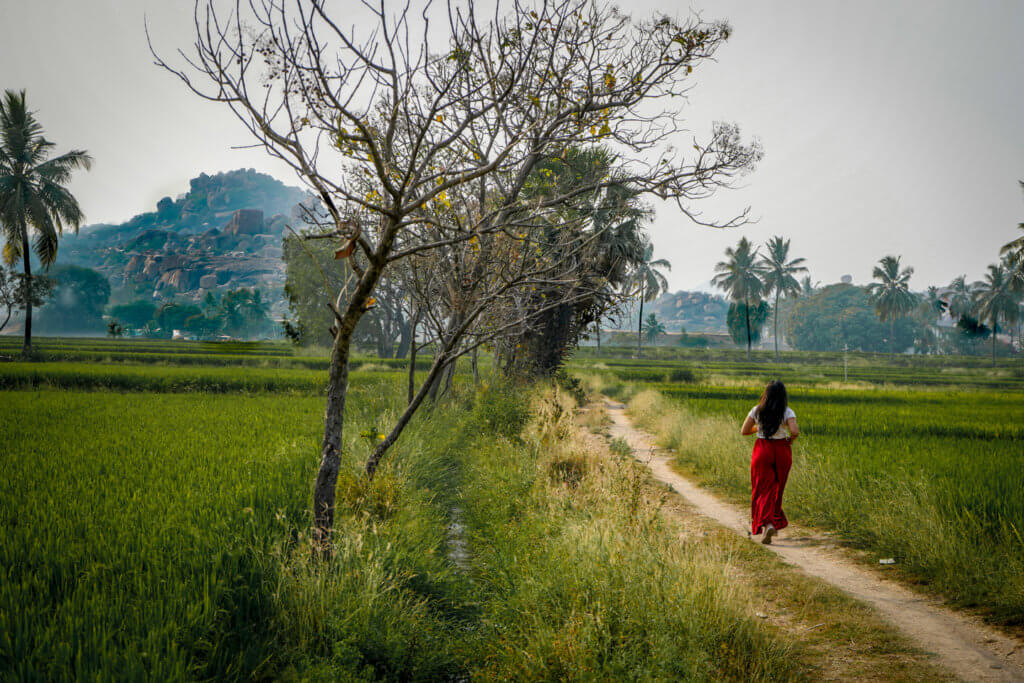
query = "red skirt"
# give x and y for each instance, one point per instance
(769, 469)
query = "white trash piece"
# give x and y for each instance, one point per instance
(888, 560)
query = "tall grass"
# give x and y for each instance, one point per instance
(583, 581)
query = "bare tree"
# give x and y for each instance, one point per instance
(415, 148)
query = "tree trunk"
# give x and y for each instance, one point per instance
(337, 392)
(476, 371)
(640, 325)
(441, 382)
(412, 361)
(746, 311)
(994, 323)
(892, 338)
(598, 324)
(449, 378)
(405, 339)
(26, 255)
(440, 363)
(385, 344)
(330, 450)
(8, 318)
(776, 326)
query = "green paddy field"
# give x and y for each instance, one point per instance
(156, 496)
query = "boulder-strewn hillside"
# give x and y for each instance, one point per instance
(224, 233)
(694, 312)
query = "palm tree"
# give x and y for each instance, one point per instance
(997, 300)
(653, 327)
(740, 276)
(780, 277)
(935, 302)
(960, 301)
(647, 276)
(33, 193)
(891, 294)
(1013, 251)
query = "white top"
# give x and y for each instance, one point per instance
(783, 432)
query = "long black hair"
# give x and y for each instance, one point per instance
(772, 408)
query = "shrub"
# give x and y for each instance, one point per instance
(572, 385)
(681, 375)
(620, 446)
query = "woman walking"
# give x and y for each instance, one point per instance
(774, 422)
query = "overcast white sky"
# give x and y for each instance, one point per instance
(888, 127)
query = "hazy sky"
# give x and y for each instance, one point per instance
(888, 127)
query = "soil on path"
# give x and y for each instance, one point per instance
(965, 646)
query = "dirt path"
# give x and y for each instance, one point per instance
(968, 648)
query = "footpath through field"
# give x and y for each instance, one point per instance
(968, 648)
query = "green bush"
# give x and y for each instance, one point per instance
(572, 386)
(681, 375)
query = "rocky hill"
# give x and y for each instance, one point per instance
(695, 312)
(224, 233)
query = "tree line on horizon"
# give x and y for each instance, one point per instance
(981, 309)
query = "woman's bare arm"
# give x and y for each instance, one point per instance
(749, 427)
(794, 429)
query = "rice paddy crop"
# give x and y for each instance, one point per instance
(870, 369)
(160, 532)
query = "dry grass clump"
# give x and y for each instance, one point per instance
(594, 419)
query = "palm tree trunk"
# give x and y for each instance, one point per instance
(776, 326)
(640, 325)
(892, 338)
(995, 321)
(746, 310)
(27, 348)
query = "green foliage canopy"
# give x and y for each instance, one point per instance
(843, 314)
(172, 316)
(77, 303)
(134, 315)
(736, 319)
(312, 279)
